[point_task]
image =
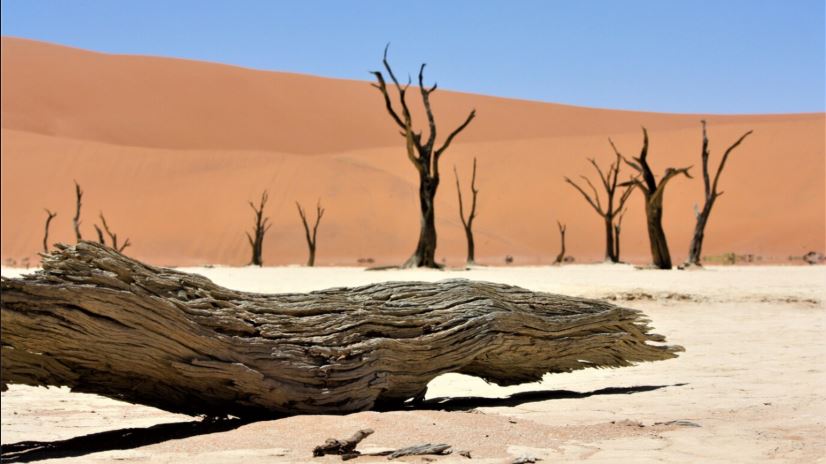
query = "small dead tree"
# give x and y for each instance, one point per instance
(560, 258)
(78, 204)
(260, 227)
(49, 217)
(653, 192)
(608, 212)
(311, 238)
(423, 154)
(711, 194)
(113, 237)
(468, 223)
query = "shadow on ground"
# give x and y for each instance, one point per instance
(123, 439)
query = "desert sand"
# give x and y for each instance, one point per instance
(171, 150)
(749, 387)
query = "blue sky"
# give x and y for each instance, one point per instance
(691, 56)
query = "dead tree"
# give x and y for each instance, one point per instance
(711, 194)
(653, 192)
(608, 212)
(468, 223)
(49, 217)
(423, 154)
(311, 238)
(260, 227)
(78, 204)
(113, 237)
(99, 322)
(560, 258)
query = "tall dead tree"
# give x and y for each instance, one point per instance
(260, 227)
(311, 238)
(49, 217)
(78, 204)
(711, 194)
(653, 192)
(468, 223)
(560, 258)
(113, 237)
(608, 212)
(423, 154)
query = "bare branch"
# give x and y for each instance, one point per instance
(590, 201)
(455, 133)
(78, 204)
(594, 190)
(49, 216)
(723, 161)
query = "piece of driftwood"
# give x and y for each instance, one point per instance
(99, 322)
(345, 447)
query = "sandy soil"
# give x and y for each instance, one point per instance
(748, 389)
(172, 150)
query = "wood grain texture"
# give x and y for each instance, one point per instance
(100, 322)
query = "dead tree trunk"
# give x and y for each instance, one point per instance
(560, 258)
(99, 322)
(78, 204)
(113, 237)
(609, 212)
(260, 227)
(423, 154)
(311, 238)
(695, 250)
(617, 229)
(50, 216)
(653, 191)
(468, 223)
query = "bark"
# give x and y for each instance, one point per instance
(49, 216)
(653, 192)
(422, 153)
(259, 229)
(467, 223)
(99, 322)
(695, 249)
(311, 237)
(609, 211)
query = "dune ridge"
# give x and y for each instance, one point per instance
(171, 150)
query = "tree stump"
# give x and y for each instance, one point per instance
(99, 322)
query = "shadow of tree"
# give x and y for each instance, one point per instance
(129, 438)
(121, 439)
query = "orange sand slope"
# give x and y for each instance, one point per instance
(171, 151)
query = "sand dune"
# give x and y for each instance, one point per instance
(171, 150)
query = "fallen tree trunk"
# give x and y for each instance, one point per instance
(99, 322)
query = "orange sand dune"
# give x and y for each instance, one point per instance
(171, 150)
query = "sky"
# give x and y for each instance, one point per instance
(690, 56)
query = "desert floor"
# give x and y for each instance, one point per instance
(749, 388)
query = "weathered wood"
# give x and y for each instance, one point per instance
(100, 322)
(342, 447)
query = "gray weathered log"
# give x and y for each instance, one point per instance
(99, 322)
